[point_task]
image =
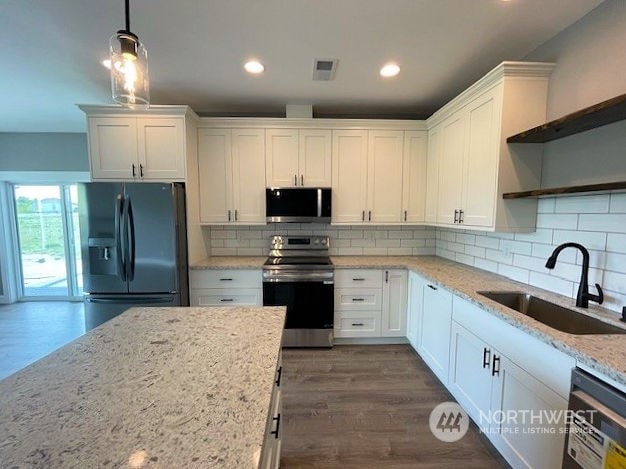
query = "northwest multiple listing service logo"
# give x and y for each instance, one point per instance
(448, 422)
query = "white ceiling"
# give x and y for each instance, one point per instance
(51, 52)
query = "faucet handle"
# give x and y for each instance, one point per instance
(599, 298)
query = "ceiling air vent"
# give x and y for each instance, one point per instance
(324, 69)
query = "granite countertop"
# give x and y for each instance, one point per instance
(153, 387)
(604, 353)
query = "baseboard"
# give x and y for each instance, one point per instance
(370, 340)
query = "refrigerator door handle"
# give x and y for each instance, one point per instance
(129, 231)
(119, 237)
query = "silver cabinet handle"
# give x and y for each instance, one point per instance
(295, 179)
(302, 179)
(141, 171)
(405, 215)
(456, 214)
(134, 173)
(461, 212)
(229, 215)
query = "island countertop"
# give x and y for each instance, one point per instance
(154, 387)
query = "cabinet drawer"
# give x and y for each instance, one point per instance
(232, 278)
(226, 297)
(358, 278)
(357, 324)
(358, 298)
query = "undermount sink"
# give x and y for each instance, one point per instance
(550, 314)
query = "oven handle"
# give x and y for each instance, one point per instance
(282, 279)
(327, 278)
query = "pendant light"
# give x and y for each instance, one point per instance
(130, 84)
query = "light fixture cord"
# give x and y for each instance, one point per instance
(127, 2)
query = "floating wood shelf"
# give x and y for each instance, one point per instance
(568, 190)
(600, 114)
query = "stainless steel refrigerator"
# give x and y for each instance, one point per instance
(134, 247)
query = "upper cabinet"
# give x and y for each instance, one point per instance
(231, 181)
(298, 158)
(378, 176)
(148, 145)
(470, 165)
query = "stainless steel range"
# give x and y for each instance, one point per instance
(299, 274)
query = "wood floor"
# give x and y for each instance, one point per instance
(368, 407)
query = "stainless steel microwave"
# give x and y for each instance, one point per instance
(298, 205)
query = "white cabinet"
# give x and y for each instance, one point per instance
(298, 158)
(137, 146)
(370, 303)
(231, 175)
(415, 307)
(414, 173)
(393, 318)
(367, 176)
(470, 165)
(436, 320)
(233, 287)
(272, 443)
(513, 386)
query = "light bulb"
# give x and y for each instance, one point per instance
(129, 71)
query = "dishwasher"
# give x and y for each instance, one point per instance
(596, 425)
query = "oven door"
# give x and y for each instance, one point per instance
(310, 310)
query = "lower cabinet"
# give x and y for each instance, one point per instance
(414, 309)
(232, 287)
(495, 372)
(270, 453)
(434, 330)
(370, 303)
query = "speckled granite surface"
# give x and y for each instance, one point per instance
(604, 353)
(154, 387)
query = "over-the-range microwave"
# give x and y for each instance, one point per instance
(298, 205)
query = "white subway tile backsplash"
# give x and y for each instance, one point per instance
(618, 203)
(373, 252)
(616, 243)
(412, 243)
(487, 242)
(541, 235)
(614, 262)
(515, 273)
(464, 258)
(544, 251)
(515, 247)
(400, 234)
(614, 281)
(485, 264)
(425, 251)
(591, 240)
(466, 238)
(399, 251)
(554, 284)
(498, 256)
(610, 222)
(387, 243)
(536, 264)
(563, 221)
(582, 204)
(475, 251)
(351, 251)
(546, 205)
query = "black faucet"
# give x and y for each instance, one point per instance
(583, 296)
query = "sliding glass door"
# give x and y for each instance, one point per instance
(48, 240)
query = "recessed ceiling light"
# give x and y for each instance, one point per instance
(254, 66)
(389, 70)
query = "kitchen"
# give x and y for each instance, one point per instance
(588, 62)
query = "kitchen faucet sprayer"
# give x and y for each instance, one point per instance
(583, 296)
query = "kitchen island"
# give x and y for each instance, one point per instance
(154, 387)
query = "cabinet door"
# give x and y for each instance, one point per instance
(384, 176)
(113, 147)
(479, 186)
(435, 330)
(470, 373)
(414, 173)
(248, 147)
(451, 168)
(394, 303)
(432, 174)
(161, 148)
(414, 309)
(533, 440)
(281, 161)
(215, 175)
(349, 169)
(315, 158)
